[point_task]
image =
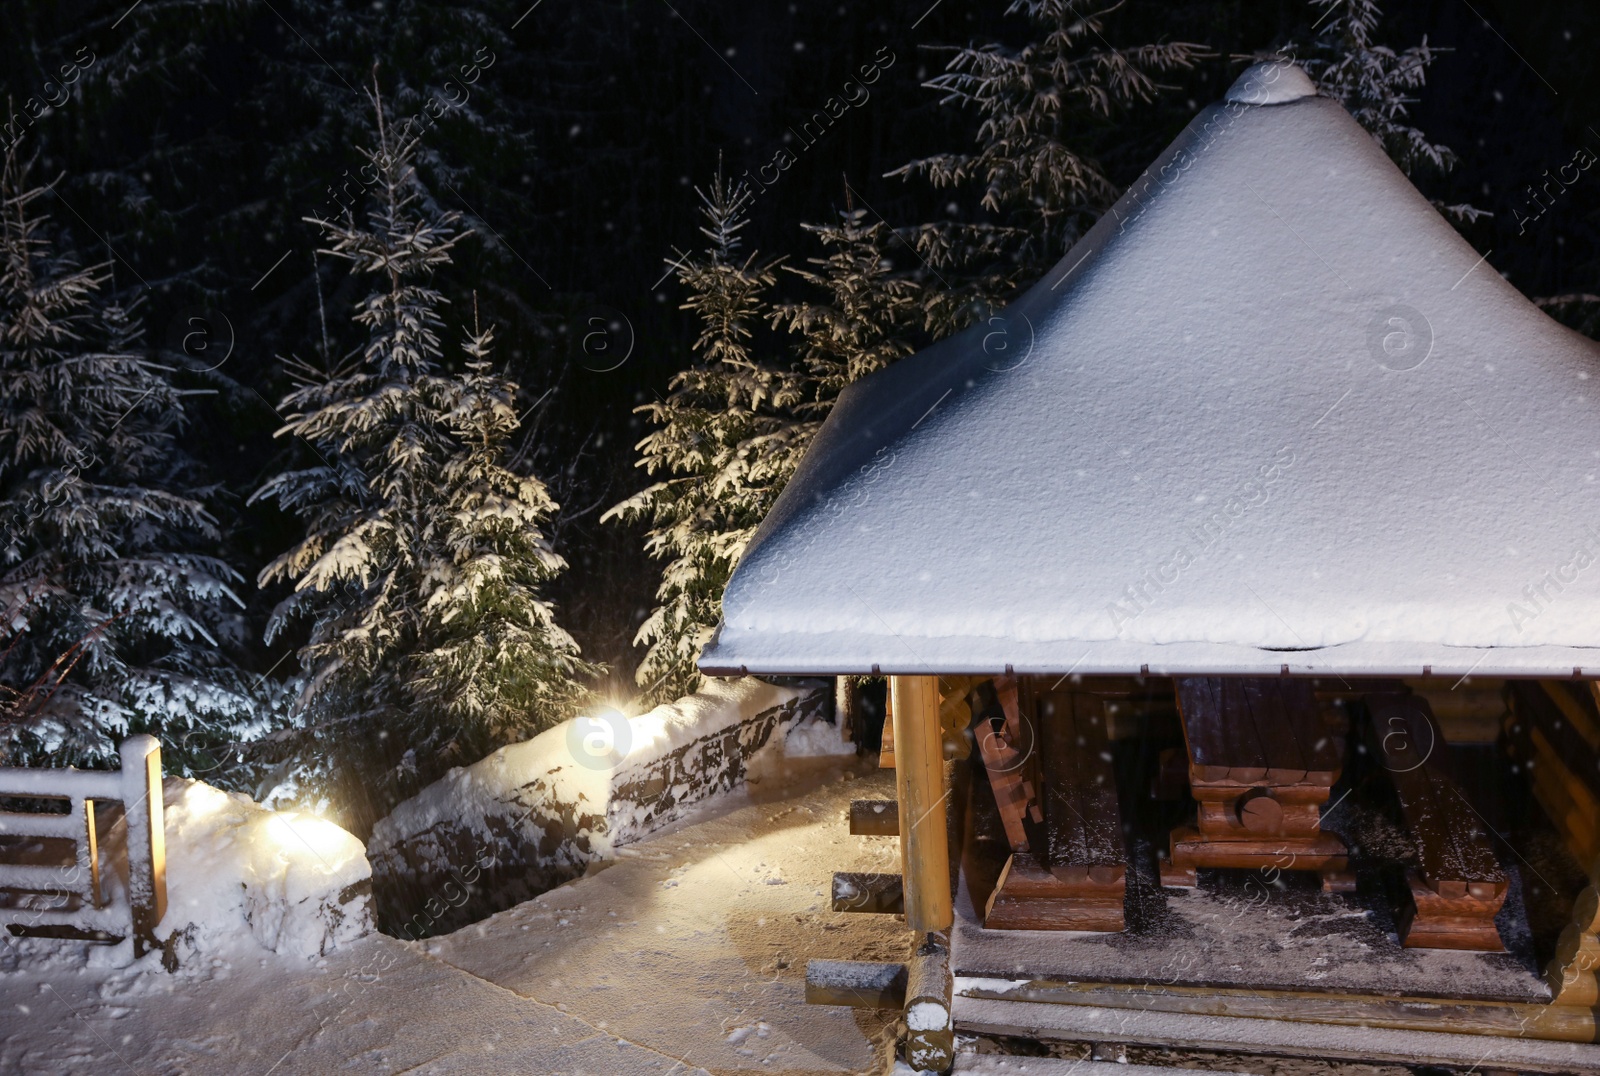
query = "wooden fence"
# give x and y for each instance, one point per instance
(51, 883)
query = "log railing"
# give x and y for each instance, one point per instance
(50, 869)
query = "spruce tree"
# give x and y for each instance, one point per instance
(116, 618)
(726, 439)
(420, 571)
(859, 326)
(1036, 177)
(1376, 85)
(495, 658)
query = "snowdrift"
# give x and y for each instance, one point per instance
(536, 814)
(241, 876)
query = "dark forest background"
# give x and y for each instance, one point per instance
(203, 132)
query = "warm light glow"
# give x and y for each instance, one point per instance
(300, 833)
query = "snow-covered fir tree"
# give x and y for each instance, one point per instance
(420, 572)
(1376, 84)
(726, 439)
(116, 619)
(496, 659)
(860, 325)
(1036, 105)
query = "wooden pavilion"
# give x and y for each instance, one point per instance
(1232, 587)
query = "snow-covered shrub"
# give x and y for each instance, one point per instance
(534, 815)
(239, 875)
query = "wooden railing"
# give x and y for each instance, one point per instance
(50, 863)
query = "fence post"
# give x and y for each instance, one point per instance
(147, 839)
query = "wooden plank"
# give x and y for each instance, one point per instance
(1472, 860)
(1575, 703)
(886, 744)
(1247, 759)
(1102, 816)
(875, 818)
(1469, 836)
(1200, 708)
(1527, 1020)
(860, 984)
(1441, 1043)
(1320, 743)
(1004, 765)
(1079, 783)
(1534, 709)
(1461, 886)
(1402, 745)
(1058, 751)
(1274, 719)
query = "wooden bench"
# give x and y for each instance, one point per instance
(1460, 886)
(1261, 766)
(1071, 874)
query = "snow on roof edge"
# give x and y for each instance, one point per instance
(816, 656)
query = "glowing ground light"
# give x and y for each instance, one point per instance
(600, 741)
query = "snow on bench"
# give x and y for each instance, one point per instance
(536, 814)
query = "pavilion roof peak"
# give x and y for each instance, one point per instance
(1272, 82)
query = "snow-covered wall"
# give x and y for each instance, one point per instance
(536, 814)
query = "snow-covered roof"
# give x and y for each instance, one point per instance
(1271, 414)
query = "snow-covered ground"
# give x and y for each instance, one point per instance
(686, 955)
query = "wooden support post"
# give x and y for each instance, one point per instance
(88, 852)
(147, 839)
(919, 780)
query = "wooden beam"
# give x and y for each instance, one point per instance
(930, 1032)
(1278, 1036)
(1582, 721)
(919, 780)
(861, 984)
(865, 891)
(875, 818)
(1489, 1018)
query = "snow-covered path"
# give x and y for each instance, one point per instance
(686, 956)
(696, 942)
